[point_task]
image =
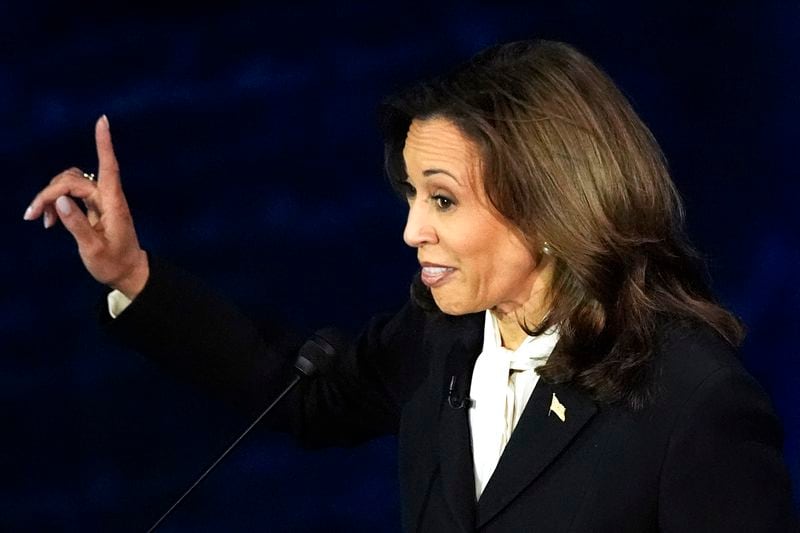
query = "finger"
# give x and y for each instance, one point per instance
(49, 216)
(107, 166)
(69, 185)
(74, 171)
(92, 211)
(48, 211)
(77, 224)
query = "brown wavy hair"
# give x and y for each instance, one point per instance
(567, 160)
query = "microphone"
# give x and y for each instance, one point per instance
(460, 400)
(314, 358)
(318, 353)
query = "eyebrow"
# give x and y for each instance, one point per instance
(432, 171)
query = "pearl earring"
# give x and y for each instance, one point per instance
(546, 250)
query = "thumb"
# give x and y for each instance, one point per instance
(76, 223)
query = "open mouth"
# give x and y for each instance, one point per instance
(433, 276)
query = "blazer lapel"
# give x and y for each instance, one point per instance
(538, 439)
(455, 448)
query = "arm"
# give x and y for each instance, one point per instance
(184, 327)
(192, 333)
(724, 469)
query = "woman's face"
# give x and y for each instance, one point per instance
(471, 257)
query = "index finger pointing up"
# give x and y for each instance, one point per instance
(107, 166)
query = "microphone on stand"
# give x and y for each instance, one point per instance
(315, 357)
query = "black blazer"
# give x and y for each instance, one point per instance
(704, 456)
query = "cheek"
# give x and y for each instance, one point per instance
(503, 266)
(492, 271)
(499, 252)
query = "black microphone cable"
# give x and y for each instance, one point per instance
(315, 357)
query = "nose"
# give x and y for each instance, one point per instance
(419, 228)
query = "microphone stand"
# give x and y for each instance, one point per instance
(295, 380)
(315, 357)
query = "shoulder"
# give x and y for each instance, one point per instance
(690, 355)
(703, 389)
(701, 383)
(423, 328)
(723, 440)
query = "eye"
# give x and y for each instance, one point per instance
(443, 203)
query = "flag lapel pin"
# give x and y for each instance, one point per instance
(558, 408)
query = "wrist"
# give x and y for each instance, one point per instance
(133, 281)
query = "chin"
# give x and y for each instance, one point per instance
(453, 306)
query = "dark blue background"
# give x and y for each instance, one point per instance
(250, 155)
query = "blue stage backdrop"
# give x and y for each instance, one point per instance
(250, 152)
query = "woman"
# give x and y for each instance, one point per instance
(562, 365)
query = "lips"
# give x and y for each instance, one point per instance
(435, 275)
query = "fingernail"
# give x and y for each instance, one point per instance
(28, 213)
(104, 118)
(46, 220)
(62, 204)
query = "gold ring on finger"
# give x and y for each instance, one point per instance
(89, 176)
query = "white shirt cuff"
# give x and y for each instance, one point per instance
(117, 303)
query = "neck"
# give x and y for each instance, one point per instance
(511, 333)
(510, 318)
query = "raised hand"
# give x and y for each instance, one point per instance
(105, 235)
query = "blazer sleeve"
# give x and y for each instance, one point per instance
(724, 469)
(199, 337)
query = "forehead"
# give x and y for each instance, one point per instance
(439, 143)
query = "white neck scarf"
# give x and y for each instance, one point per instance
(502, 383)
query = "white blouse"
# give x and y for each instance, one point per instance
(502, 383)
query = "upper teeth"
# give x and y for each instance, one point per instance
(435, 270)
